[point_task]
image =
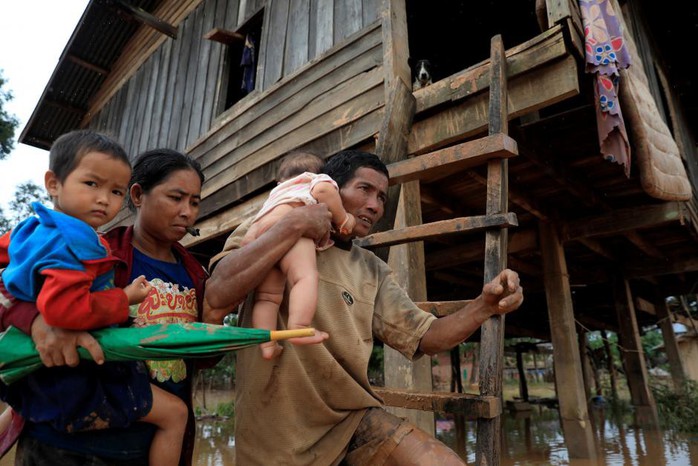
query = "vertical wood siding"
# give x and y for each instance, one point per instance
(173, 100)
(173, 97)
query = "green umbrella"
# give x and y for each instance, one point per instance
(19, 357)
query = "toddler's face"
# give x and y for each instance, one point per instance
(94, 191)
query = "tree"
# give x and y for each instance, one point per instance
(8, 123)
(20, 207)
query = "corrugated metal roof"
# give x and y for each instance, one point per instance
(96, 43)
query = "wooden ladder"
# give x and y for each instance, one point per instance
(494, 149)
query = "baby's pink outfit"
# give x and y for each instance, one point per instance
(297, 189)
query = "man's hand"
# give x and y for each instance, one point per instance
(504, 293)
(58, 347)
(314, 220)
(501, 295)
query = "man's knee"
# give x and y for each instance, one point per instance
(420, 448)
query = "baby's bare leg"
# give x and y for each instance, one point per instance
(300, 267)
(265, 312)
(169, 414)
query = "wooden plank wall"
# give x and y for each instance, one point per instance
(172, 99)
(326, 105)
(298, 31)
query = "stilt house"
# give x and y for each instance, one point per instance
(502, 160)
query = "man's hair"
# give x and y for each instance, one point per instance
(67, 151)
(152, 168)
(296, 162)
(342, 166)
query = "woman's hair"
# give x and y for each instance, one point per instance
(67, 151)
(342, 166)
(153, 167)
(296, 162)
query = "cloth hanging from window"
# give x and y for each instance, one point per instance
(247, 63)
(606, 54)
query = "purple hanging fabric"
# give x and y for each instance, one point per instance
(606, 54)
(248, 65)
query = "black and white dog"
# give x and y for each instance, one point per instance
(422, 75)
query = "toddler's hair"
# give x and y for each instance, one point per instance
(296, 162)
(67, 151)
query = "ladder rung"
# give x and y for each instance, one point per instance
(442, 308)
(472, 406)
(443, 162)
(431, 230)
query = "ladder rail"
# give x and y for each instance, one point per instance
(494, 149)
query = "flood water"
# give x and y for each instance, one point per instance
(530, 438)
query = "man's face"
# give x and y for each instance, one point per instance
(364, 197)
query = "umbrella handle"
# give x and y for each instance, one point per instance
(286, 334)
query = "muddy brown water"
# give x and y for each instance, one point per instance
(530, 438)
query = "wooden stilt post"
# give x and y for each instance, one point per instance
(523, 385)
(407, 262)
(569, 384)
(611, 365)
(633, 355)
(584, 359)
(671, 348)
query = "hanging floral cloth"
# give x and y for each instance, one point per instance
(606, 54)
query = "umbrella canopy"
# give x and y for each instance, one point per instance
(19, 357)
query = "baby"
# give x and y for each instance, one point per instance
(300, 183)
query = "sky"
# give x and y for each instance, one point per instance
(33, 34)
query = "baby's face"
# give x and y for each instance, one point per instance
(94, 191)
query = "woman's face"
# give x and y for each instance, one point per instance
(170, 207)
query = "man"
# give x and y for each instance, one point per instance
(313, 404)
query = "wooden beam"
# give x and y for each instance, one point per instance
(224, 36)
(519, 241)
(435, 229)
(644, 245)
(657, 268)
(555, 82)
(87, 65)
(643, 305)
(598, 248)
(64, 106)
(517, 198)
(544, 48)
(473, 406)
(148, 19)
(623, 220)
(445, 162)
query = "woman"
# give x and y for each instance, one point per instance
(164, 193)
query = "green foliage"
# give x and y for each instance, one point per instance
(375, 366)
(8, 123)
(678, 409)
(223, 372)
(651, 340)
(20, 207)
(226, 409)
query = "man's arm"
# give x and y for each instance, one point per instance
(243, 269)
(501, 295)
